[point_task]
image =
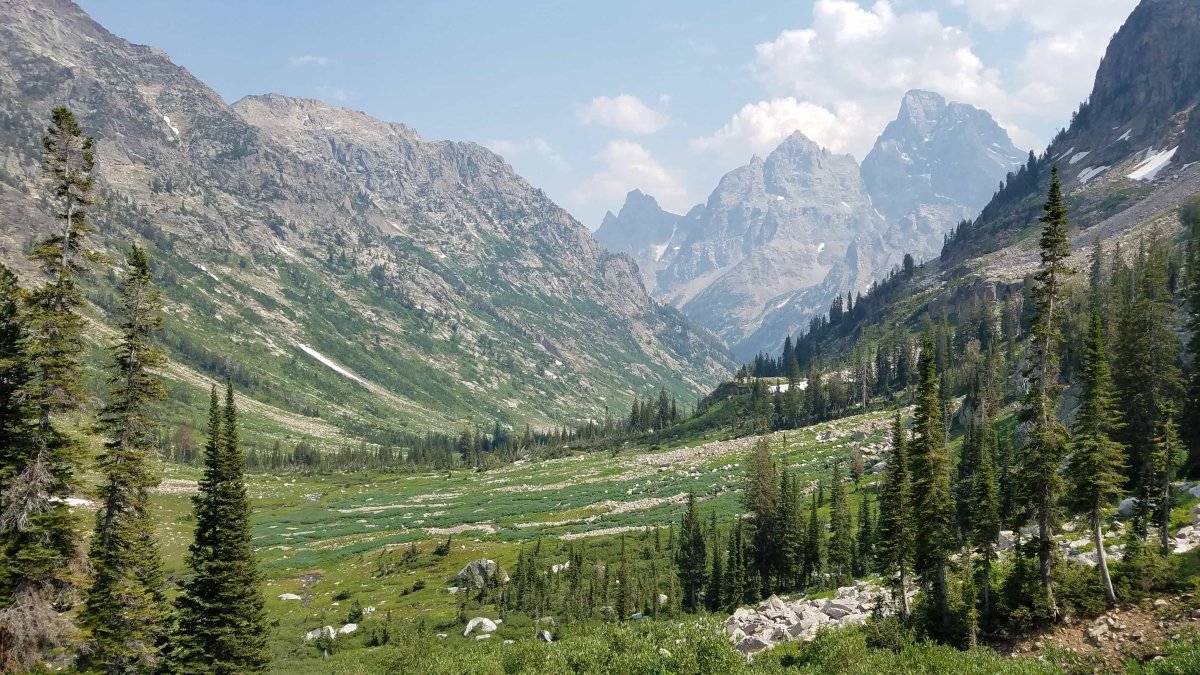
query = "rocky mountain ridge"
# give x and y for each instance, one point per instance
(781, 237)
(348, 270)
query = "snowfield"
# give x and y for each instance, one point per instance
(1147, 170)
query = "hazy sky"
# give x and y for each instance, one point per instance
(589, 100)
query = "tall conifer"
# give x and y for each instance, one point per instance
(221, 618)
(1046, 447)
(933, 503)
(895, 515)
(123, 614)
(45, 556)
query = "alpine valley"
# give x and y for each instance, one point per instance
(287, 388)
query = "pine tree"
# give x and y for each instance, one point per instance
(814, 549)
(124, 615)
(1043, 454)
(761, 501)
(715, 591)
(1169, 455)
(690, 557)
(866, 535)
(985, 500)
(1094, 471)
(841, 542)
(895, 515)
(220, 613)
(933, 503)
(44, 556)
(14, 376)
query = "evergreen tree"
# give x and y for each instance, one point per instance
(43, 556)
(841, 542)
(895, 515)
(1169, 455)
(1189, 214)
(761, 501)
(714, 594)
(123, 615)
(690, 557)
(814, 549)
(1045, 449)
(220, 612)
(1094, 472)
(985, 501)
(735, 570)
(14, 376)
(866, 535)
(933, 503)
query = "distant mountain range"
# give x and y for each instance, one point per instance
(353, 277)
(782, 236)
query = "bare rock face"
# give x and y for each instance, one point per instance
(936, 164)
(643, 230)
(478, 573)
(429, 271)
(781, 237)
(771, 228)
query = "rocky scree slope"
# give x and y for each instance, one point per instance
(349, 269)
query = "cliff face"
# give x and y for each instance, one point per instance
(431, 270)
(771, 228)
(936, 164)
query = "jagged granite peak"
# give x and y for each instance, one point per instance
(642, 229)
(936, 164)
(281, 227)
(773, 227)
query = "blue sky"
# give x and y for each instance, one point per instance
(590, 100)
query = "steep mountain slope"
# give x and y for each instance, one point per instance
(770, 228)
(1137, 129)
(936, 164)
(643, 230)
(343, 269)
(1127, 163)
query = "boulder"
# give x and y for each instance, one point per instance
(662, 599)
(477, 573)
(837, 610)
(484, 625)
(290, 596)
(348, 629)
(1007, 540)
(508, 642)
(483, 637)
(327, 631)
(636, 616)
(442, 636)
(1125, 508)
(752, 644)
(1194, 490)
(545, 635)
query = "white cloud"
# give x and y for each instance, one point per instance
(625, 165)
(857, 59)
(624, 112)
(538, 147)
(309, 60)
(332, 94)
(759, 127)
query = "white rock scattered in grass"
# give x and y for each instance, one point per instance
(484, 625)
